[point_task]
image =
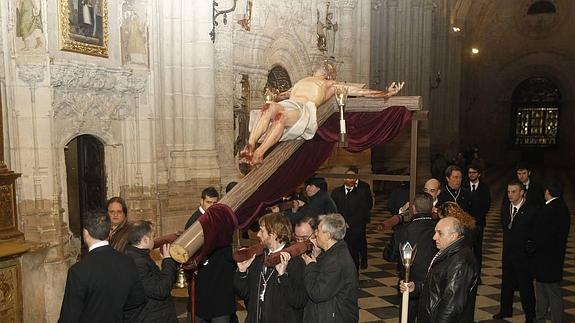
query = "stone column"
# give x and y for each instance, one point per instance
(187, 87)
(345, 38)
(224, 103)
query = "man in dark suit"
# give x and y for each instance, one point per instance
(550, 239)
(533, 190)
(453, 191)
(209, 197)
(480, 197)
(353, 200)
(517, 217)
(419, 232)
(104, 286)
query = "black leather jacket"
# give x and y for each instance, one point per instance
(450, 286)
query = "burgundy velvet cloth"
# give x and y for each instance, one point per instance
(218, 225)
(367, 129)
(364, 129)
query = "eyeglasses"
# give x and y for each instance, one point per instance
(303, 238)
(430, 190)
(472, 172)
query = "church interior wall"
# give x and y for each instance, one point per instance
(513, 47)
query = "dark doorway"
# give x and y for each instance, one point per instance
(86, 179)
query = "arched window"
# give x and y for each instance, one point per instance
(536, 104)
(278, 78)
(541, 7)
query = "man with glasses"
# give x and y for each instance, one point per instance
(305, 230)
(480, 203)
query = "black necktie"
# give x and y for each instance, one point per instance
(473, 187)
(514, 212)
(347, 190)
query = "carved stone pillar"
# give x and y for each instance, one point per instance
(224, 103)
(346, 38)
(186, 73)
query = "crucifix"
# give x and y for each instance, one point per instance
(219, 222)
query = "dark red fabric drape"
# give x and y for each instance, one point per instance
(364, 129)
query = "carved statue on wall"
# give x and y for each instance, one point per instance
(246, 21)
(325, 32)
(242, 115)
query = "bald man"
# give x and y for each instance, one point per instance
(433, 188)
(452, 277)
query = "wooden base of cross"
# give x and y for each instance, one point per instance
(191, 240)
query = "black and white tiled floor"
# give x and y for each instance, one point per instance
(378, 299)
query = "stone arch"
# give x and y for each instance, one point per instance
(289, 51)
(529, 65)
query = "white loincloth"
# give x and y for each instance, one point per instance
(304, 128)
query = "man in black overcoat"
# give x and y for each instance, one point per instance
(353, 200)
(419, 233)
(517, 218)
(104, 286)
(480, 197)
(550, 239)
(451, 280)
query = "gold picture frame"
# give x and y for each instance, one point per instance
(84, 26)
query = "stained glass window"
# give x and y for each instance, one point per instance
(536, 105)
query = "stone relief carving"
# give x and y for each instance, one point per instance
(275, 13)
(92, 97)
(345, 3)
(76, 77)
(31, 73)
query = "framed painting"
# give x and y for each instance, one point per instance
(84, 26)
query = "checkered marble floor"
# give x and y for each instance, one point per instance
(378, 299)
